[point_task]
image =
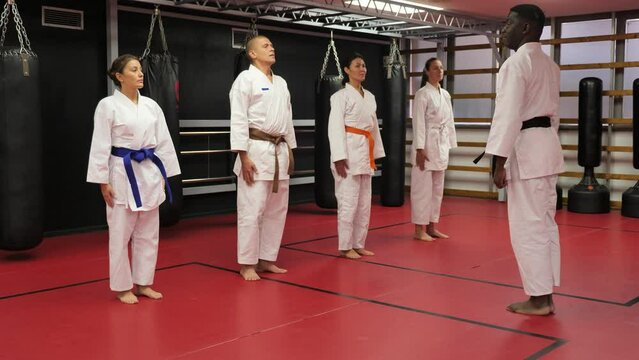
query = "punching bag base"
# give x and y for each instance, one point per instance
(560, 197)
(396, 203)
(589, 199)
(630, 202)
(324, 202)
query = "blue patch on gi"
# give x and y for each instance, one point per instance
(264, 89)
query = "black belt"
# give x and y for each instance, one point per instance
(539, 121)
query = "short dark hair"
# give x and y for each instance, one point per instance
(249, 41)
(531, 12)
(347, 63)
(118, 66)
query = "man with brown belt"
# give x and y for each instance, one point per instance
(262, 134)
(524, 142)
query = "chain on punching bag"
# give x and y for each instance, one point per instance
(21, 192)
(242, 61)
(326, 86)
(161, 84)
(630, 197)
(394, 128)
(589, 196)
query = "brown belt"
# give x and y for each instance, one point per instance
(256, 134)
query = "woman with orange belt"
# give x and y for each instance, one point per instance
(355, 143)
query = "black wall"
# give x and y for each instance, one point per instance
(73, 66)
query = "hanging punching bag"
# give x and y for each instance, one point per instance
(21, 184)
(630, 197)
(242, 61)
(324, 182)
(325, 86)
(394, 129)
(162, 85)
(589, 196)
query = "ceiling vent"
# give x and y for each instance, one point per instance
(62, 18)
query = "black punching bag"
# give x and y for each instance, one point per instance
(589, 196)
(394, 131)
(21, 184)
(242, 61)
(162, 85)
(324, 182)
(630, 197)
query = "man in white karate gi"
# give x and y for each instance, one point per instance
(262, 134)
(525, 145)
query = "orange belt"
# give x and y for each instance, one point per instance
(371, 143)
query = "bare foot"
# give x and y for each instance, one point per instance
(364, 252)
(437, 234)
(421, 235)
(350, 254)
(269, 266)
(127, 297)
(430, 230)
(148, 292)
(531, 307)
(248, 273)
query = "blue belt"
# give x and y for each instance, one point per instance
(139, 155)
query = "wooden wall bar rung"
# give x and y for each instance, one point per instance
(604, 93)
(618, 121)
(571, 174)
(615, 121)
(626, 149)
(418, 74)
(579, 175)
(473, 120)
(481, 169)
(585, 39)
(409, 121)
(205, 152)
(471, 193)
(615, 93)
(612, 65)
(473, 96)
(473, 168)
(572, 40)
(447, 48)
(203, 133)
(568, 147)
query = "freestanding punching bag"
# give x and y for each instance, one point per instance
(21, 183)
(589, 196)
(162, 85)
(242, 61)
(630, 197)
(394, 129)
(325, 87)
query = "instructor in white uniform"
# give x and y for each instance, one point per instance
(355, 143)
(262, 134)
(131, 157)
(433, 137)
(524, 141)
